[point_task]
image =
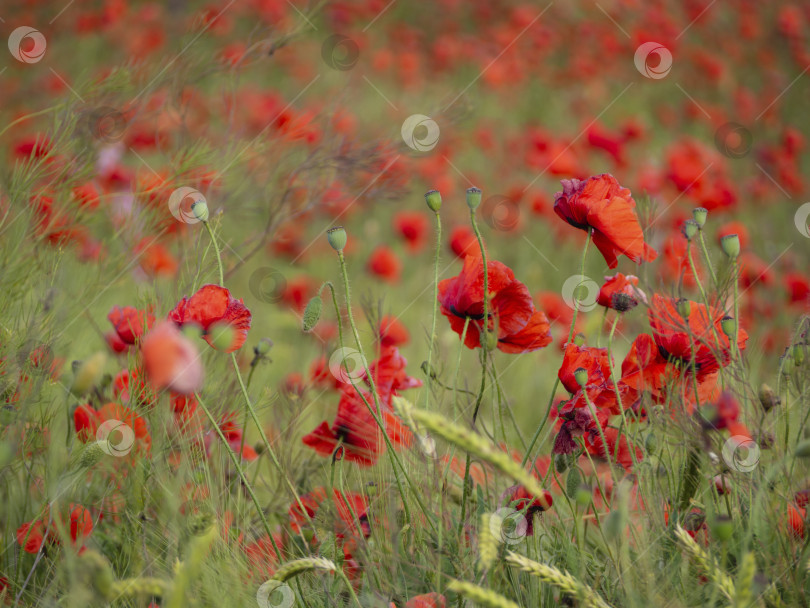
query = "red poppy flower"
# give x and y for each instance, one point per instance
(600, 204)
(233, 435)
(350, 508)
(621, 455)
(518, 326)
(529, 504)
(427, 600)
(671, 333)
(463, 241)
(171, 360)
(262, 555)
(577, 420)
(592, 360)
(211, 305)
(389, 374)
(627, 285)
(385, 264)
(413, 227)
(725, 414)
(393, 332)
(88, 421)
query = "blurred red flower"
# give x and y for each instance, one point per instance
(211, 305)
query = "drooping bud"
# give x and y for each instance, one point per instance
(700, 214)
(690, 229)
(200, 210)
(768, 398)
(337, 238)
(731, 245)
(729, 326)
(614, 524)
(684, 307)
(88, 374)
(561, 462)
(473, 198)
(581, 376)
(312, 313)
(433, 198)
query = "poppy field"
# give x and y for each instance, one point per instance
(381, 304)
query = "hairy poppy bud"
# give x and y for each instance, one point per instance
(336, 237)
(684, 307)
(88, 374)
(722, 527)
(263, 347)
(700, 214)
(798, 354)
(473, 198)
(428, 370)
(433, 198)
(731, 245)
(573, 482)
(651, 443)
(768, 398)
(690, 229)
(200, 210)
(561, 462)
(581, 376)
(312, 313)
(728, 325)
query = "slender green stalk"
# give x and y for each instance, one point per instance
(706, 255)
(216, 250)
(435, 308)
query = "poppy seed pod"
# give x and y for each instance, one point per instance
(433, 198)
(200, 210)
(337, 238)
(622, 302)
(729, 326)
(312, 313)
(690, 229)
(684, 307)
(581, 376)
(731, 245)
(700, 214)
(473, 198)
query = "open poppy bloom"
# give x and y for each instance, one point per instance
(519, 327)
(601, 205)
(350, 509)
(618, 448)
(32, 535)
(676, 337)
(130, 323)
(591, 359)
(620, 292)
(212, 305)
(126, 432)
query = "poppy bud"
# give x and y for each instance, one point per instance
(312, 313)
(561, 462)
(728, 325)
(492, 340)
(573, 482)
(651, 443)
(803, 449)
(473, 198)
(581, 376)
(88, 374)
(700, 213)
(583, 496)
(371, 489)
(579, 339)
(263, 347)
(428, 370)
(722, 528)
(259, 448)
(768, 398)
(433, 198)
(200, 210)
(798, 354)
(731, 245)
(336, 237)
(690, 229)
(684, 307)
(221, 336)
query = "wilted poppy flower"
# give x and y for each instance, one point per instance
(601, 205)
(519, 327)
(620, 292)
(171, 360)
(577, 421)
(211, 305)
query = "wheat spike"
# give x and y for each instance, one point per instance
(487, 543)
(709, 566)
(563, 580)
(481, 595)
(745, 580)
(297, 566)
(473, 443)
